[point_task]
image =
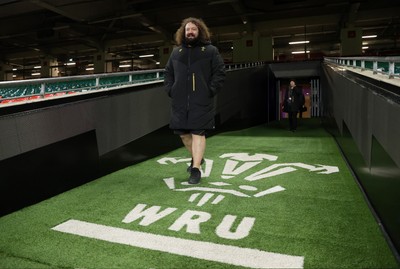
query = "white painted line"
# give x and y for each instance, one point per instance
(206, 197)
(247, 257)
(170, 182)
(193, 197)
(269, 191)
(234, 192)
(218, 199)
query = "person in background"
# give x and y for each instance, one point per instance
(293, 102)
(194, 74)
(302, 108)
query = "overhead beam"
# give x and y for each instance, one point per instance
(48, 6)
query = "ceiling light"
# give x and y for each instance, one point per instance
(124, 65)
(146, 55)
(89, 68)
(299, 42)
(364, 48)
(369, 36)
(37, 67)
(300, 52)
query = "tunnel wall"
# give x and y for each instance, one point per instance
(51, 146)
(366, 125)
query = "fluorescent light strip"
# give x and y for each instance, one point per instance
(299, 42)
(146, 55)
(300, 52)
(124, 65)
(369, 36)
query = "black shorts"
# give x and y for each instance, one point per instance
(184, 131)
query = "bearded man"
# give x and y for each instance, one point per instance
(194, 74)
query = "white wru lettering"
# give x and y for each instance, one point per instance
(149, 215)
(243, 230)
(191, 221)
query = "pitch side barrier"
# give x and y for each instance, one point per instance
(388, 66)
(33, 90)
(362, 113)
(119, 107)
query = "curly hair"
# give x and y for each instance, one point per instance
(204, 33)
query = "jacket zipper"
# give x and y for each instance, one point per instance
(193, 82)
(188, 95)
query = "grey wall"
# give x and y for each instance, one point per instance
(49, 147)
(366, 125)
(122, 117)
(244, 96)
(300, 69)
(117, 119)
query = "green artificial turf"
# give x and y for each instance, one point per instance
(320, 217)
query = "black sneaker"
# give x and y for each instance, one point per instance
(195, 176)
(191, 165)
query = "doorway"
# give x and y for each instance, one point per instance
(311, 91)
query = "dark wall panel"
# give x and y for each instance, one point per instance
(368, 131)
(44, 172)
(117, 118)
(121, 119)
(27, 130)
(244, 96)
(49, 149)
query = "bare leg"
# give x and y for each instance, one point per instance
(187, 142)
(198, 148)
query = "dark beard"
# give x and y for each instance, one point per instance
(191, 42)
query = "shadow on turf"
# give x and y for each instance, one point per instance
(37, 175)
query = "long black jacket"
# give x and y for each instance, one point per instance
(294, 99)
(193, 76)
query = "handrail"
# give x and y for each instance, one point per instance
(79, 77)
(389, 66)
(41, 88)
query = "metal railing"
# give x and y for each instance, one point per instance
(389, 66)
(31, 90)
(42, 88)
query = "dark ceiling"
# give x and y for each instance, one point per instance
(33, 29)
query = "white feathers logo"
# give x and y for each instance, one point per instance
(236, 164)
